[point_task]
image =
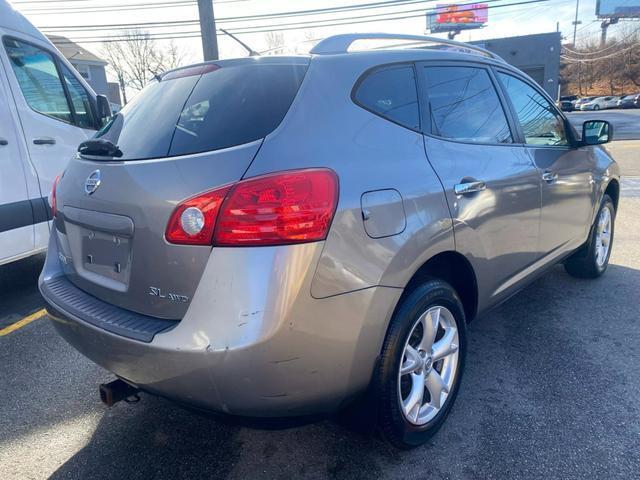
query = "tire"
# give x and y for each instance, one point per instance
(590, 261)
(596, 107)
(415, 311)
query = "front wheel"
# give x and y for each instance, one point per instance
(592, 259)
(421, 364)
(596, 107)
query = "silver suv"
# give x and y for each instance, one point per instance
(278, 236)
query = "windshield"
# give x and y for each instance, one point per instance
(235, 104)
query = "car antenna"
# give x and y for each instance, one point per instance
(252, 52)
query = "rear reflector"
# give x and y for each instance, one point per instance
(282, 208)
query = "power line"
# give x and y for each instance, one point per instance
(295, 13)
(575, 52)
(64, 9)
(290, 26)
(146, 6)
(591, 60)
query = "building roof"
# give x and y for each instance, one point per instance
(74, 52)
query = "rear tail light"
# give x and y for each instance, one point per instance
(54, 199)
(281, 208)
(193, 220)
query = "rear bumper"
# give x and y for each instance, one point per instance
(254, 342)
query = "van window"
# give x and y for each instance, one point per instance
(465, 106)
(38, 78)
(391, 93)
(541, 123)
(237, 103)
(79, 99)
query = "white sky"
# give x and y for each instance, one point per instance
(503, 22)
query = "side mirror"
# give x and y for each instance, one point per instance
(104, 109)
(596, 132)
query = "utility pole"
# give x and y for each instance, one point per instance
(575, 24)
(208, 30)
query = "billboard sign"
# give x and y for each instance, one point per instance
(618, 8)
(447, 18)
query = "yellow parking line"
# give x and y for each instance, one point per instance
(22, 322)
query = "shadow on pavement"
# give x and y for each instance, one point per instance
(19, 294)
(550, 391)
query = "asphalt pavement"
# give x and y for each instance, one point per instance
(626, 123)
(551, 390)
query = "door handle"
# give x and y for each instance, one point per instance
(3, 142)
(469, 187)
(44, 141)
(549, 177)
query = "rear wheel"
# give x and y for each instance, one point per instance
(592, 259)
(596, 107)
(421, 364)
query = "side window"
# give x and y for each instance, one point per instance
(392, 94)
(79, 98)
(465, 106)
(541, 123)
(38, 78)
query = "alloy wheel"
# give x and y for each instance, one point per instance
(429, 365)
(603, 236)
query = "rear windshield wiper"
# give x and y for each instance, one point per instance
(99, 147)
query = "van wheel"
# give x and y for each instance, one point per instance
(592, 259)
(421, 364)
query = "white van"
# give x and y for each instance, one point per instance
(46, 111)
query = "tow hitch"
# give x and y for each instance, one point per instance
(112, 392)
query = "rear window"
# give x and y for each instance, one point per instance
(235, 104)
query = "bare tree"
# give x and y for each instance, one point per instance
(274, 40)
(610, 70)
(138, 58)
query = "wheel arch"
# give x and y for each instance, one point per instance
(613, 190)
(455, 269)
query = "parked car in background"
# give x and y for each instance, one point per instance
(611, 102)
(274, 236)
(566, 105)
(46, 110)
(629, 101)
(600, 103)
(579, 102)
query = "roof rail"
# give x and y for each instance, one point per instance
(340, 43)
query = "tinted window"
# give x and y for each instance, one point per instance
(79, 99)
(391, 93)
(464, 105)
(144, 127)
(38, 78)
(235, 104)
(541, 122)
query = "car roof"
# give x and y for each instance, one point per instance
(14, 22)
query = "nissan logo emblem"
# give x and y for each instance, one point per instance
(92, 182)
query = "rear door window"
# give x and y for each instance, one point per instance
(232, 105)
(464, 105)
(391, 93)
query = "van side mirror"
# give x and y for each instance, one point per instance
(104, 109)
(596, 132)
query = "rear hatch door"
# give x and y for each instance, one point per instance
(195, 130)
